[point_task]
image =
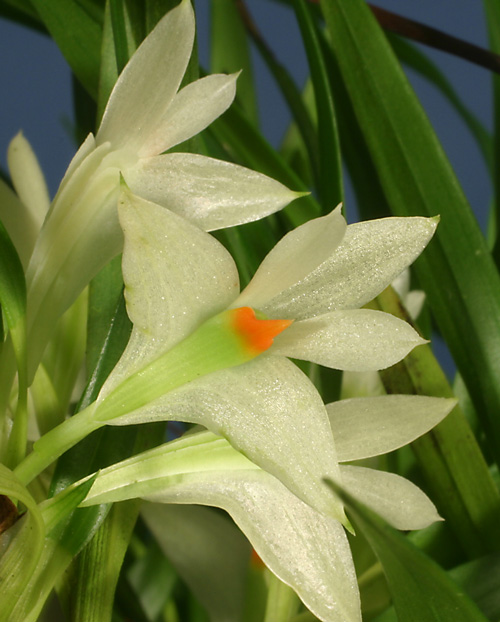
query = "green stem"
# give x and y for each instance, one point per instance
(53, 444)
(213, 346)
(282, 601)
(370, 575)
(16, 448)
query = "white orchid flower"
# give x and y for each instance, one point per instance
(303, 547)
(199, 354)
(145, 116)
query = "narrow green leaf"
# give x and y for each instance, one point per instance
(411, 56)
(76, 28)
(147, 583)
(207, 550)
(124, 46)
(12, 286)
(122, 32)
(481, 580)
(291, 95)
(22, 12)
(417, 179)
(330, 166)
(13, 305)
(282, 602)
(63, 541)
(449, 456)
(22, 543)
(108, 68)
(230, 53)
(421, 590)
(155, 10)
(91, 581)
(492, 13)
(370, 199)
(105, 294)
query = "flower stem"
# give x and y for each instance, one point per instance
(53, 444)
(282, 601)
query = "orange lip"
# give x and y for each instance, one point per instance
(258, 335)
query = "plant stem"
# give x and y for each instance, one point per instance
(282, 601)
(53, 444)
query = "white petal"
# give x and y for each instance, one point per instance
(357, 340)
(361, 384)
(401, 283)
(176, 277)
(298, 254)
(398, 501)
(148, 83)
(19, 223)
(211, 193)
(84, 222)
(307, 550)
(191, 111)
(28, 179)
(271, 412)
(414, 302)
(370, 256)
(369, 426)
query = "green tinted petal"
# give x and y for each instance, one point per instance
(368, 259)
(191, 111)
(148, 83)
(370, 426)
(293, 259)
(267, 409)
(355, 340)
(394, 498)
(211, 193)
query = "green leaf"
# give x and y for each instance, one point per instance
(89, 585)
(421, 590)
(208, 551)
(481, 580)
(62, 542)
(417, 179)
(492, 13)
(449, 456)
(22, 543)
(291, 95)
(147, 583)
(106, 311)
(230, 53)
(123, 31)
(330, 166)
(22, 12)
(36, 549)
(76, 28)
(416, 60)
(12, 289)
(13, 305)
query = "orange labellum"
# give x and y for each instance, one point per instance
(258, 335)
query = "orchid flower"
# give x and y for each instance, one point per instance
(146, 115)
(306, 549)
(198, 353)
